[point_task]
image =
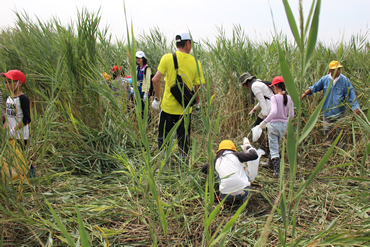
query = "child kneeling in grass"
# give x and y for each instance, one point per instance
(17, 109)
(234, 179)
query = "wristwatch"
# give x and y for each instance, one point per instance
(156, 99)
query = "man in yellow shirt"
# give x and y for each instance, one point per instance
(171, 110)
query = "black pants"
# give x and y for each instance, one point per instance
(166, 122)
(258, 121)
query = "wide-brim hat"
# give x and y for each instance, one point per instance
(245, 77)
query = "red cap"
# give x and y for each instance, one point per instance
(128, 77)
(115, 68)
(277, 80)
(14, 75)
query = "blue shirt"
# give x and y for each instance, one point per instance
(335, 105)
(140, 77)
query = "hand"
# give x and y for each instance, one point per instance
(357, 111)
(246, 141)
(308, 91)
(263, 125)
(197, 106)
(246, 144)
(252, 112)
(13, 133)
(156, 104)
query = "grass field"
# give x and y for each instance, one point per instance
(100, 179)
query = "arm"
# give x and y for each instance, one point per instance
(257, 107)
(146, 80)
(25, 106)
(318, 86)
(291, 108)
(352, 99)
(273, 110)
(196, 88)
(251, 154)
(257, 91)
(308, 92)
(198, 80)
(157, 84)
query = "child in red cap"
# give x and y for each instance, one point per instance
(17, 108)
(276, 122)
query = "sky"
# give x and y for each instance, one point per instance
(203, 18)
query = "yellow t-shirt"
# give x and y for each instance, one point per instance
(189, 73)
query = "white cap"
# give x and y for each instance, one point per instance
(140, 54)
(183, 36)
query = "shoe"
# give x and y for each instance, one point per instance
(267, 165)
(276, 163)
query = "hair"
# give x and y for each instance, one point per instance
(117, 73)
(220, 153)
(251, 94)
(281, 85)
(145, 61)
(181, 44)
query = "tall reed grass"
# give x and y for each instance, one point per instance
(100, 178)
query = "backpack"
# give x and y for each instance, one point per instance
(268, 84)
(151, 88)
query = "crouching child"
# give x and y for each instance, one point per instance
(234, 176)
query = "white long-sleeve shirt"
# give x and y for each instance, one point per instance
(232, 171)
(260, 91)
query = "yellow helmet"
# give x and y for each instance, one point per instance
(106, 76)
(226, 144)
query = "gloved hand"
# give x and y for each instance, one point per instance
(252, 112)
(144, 97)
(13, 133)
(263, 125)
(197, 106)
(246, 144)
(156, 104)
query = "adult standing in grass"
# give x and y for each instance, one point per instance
(334, 106)
(276, 122)
(143, 75)
(171, 110)
(260, 90)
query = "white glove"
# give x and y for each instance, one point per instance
(155, 104)
(246, 144)
(144, 97)
(197, 106)
(263, 125)
(13, 133)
